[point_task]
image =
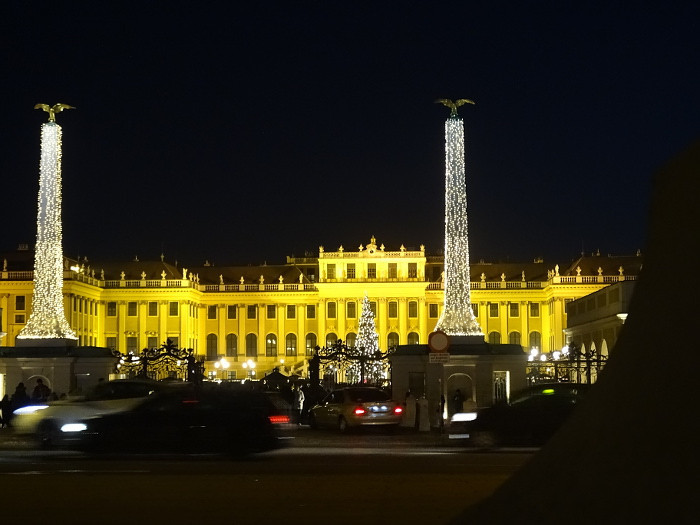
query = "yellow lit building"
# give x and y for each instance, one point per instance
(275, 315)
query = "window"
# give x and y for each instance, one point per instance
(271, 311)
(132, 344)
(475, 309)
(351, 339)
(493, 309)
(514, 309)
(495, 338)
(372, 271)
(20, 302)
(331, 339)
(231, 311)
(111, 342)
(173, 309)
(252, 311)
(412, 270)
(290, 344)
(393, 309)
(211, 311)
(413, 338)
(212, 347)
(291, 311)
(132, 309)
(271, 345)
(351, 270)
(534, 309)
(433, 310)
(112, 309)
(393, 271)
(330, 271)
(514, 338)
(373, 308)
(535, 340)
(413, 309)
(331, 310)
(231, 345)
(152, 342)
(175, 340)
(251, 345)
(311, 311)
(152, 308)
(351, 309)
(19, 318)
(392, 339)
(310, 344)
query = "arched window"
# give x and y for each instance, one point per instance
(212, 350)
(271, 345)
(392, 339)
(514, 338)
(291, 344)
(231, 345)
(251, 345)
(330, 339)
(536, 340)
(310, 344)
(351, 339)
(413, 338)
(495, 338)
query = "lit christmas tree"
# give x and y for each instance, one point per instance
(47, 321)
(367, 345)
(457, 317)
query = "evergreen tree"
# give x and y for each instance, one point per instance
(367, 345)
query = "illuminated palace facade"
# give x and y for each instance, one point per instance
(275, 315)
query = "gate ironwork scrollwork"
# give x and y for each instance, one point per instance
(165, 362)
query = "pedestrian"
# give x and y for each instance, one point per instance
(409, 413)
(457, 401)
(298, 403)
(5, 411)
(41, 391)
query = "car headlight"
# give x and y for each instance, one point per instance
(29, 409)
(74, 427)
(463, 416)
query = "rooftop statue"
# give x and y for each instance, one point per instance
(453, 105)
(52, 110)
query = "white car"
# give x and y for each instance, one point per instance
(45, 420)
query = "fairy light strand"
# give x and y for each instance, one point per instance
(457, 317)
(48, 318)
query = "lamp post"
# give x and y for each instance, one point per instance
(222, 365)
(249, 365)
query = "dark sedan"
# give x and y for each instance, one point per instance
(186, 420)
(530, 418)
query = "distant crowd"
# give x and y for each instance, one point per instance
(40, 394)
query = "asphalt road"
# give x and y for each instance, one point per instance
(319, 477)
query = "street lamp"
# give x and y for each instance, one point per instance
(222, 365)
(249, 365)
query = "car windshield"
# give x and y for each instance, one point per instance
(367, 395)
(120, 390)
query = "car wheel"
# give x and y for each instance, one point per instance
(312, 421)
(483, 439)
(48, 434)
(342, 424)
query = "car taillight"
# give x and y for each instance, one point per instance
(279, 420)
(398, 410)
(360, 411)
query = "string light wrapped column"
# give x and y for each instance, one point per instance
(48, 319)
(457, 317)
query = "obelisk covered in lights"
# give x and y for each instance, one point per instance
(457, 318)
(47, 324)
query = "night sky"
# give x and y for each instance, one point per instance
(245, 132)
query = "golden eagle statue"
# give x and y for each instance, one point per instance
(453, 105)
(52, 110)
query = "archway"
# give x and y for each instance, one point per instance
(458, 386)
